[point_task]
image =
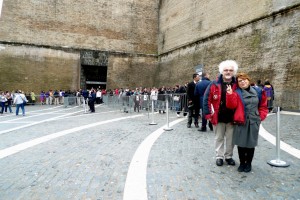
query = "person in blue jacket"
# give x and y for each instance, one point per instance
(199, 91)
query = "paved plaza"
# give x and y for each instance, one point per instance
(57, 152)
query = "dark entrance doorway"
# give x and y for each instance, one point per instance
(93, 72)
(95, 76)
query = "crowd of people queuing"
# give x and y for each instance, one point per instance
(232, 106)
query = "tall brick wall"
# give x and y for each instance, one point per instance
(36, 69)
(149, 43)
(266, 49)
(119, 25)
(65, 28)
(185, 22)
(136, 71)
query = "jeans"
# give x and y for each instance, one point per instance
(9, 108)
(22, 107)
(2, 104)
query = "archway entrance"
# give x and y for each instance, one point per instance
(95, 76)
(93, 69)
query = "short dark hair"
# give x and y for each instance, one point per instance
(195, 75)
(258, 81)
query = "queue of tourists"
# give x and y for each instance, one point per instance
(232, 106)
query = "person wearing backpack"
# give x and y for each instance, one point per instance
(250, 105)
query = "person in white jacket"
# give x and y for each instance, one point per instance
(2, 101)
(20, 100)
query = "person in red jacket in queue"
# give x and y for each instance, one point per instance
(215, 110)
(250, 104)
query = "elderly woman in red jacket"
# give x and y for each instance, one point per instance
(250, 105)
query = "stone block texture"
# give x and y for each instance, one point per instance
(262, 36)
(150, 43)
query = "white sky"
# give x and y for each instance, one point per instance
(1, 2)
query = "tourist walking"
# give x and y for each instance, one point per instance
(20, 100)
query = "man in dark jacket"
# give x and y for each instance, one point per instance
(199, 91)
(193, 102)
(92, 99)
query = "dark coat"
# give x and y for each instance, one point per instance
(190, 92)
(200, 89)
(250, 109)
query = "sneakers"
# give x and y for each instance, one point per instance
(230, 161)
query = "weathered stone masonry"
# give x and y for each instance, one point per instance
(43, 41)
(265, 43)
(149, 43)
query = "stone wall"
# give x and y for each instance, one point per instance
(128, 72)
(44, 38)
(185, 22)
(266, 49)
(119, 25)
(36, 69)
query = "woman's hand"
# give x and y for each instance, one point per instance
(229, 89)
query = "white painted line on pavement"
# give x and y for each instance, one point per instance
(136, 183)
(20, 147)
(95, 113)
(26, 117)
(289, 113)
(39, 122)
(284, 146)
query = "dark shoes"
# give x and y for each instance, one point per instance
(230, 161)
(241, 167)
(244, 168)
(196, 125)
(247, 168)
(188, 125)
(202, 129)
(210, 126)
(219, 162)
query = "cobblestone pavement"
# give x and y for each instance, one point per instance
(67, 154)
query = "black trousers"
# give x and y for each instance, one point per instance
(194, 112)
(92, 106)
(246, 155)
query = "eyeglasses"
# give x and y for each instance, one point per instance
(228, 70)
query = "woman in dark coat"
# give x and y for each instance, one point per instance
(250, 104)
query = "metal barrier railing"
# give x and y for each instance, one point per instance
(135, 103)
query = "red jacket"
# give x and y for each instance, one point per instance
(234, 101)
(212, 99)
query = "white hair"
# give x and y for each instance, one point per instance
(228, 63)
